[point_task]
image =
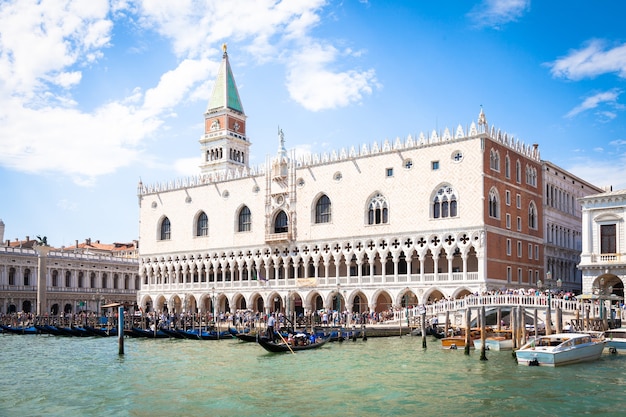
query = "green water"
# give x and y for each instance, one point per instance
(56, 376)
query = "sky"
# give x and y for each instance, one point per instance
(98, 95)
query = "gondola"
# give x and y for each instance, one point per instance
(249, 337)
(74, 331)
(147, 333)
(102, 331)
(21, 330)
(174, 333)
(284, 347)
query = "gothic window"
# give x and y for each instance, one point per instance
(165, 229)
(202, 226)
(608, 238)
(281, 224)
(531, 176)
(322, 210)
(518, 171)
(445, 203)
(507, 166)
(494, 160)
(532, 216)
(494, 204)
(377, 210)
(244, 222)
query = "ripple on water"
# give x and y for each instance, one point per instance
(381, 377)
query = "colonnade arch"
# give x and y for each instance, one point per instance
(444, 253)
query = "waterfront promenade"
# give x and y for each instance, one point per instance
(565, 308)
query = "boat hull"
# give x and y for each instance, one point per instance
(283, 347)
(455, 342)
(567, 352)
(494, 344)
(615, 341)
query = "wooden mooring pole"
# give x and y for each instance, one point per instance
(468, 330)
(483, 335)
(120, 329)
(423, 325)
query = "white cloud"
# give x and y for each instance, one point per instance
(312, 85)
(45, 47)
(39, 40)
(592, 60)
(594, 101)
(495, 13)
(601, 172)
(196, 26)
(187, 166)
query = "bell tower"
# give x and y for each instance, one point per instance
(224, 144)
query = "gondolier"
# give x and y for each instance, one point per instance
(271, 322)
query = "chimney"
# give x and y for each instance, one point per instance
(27, 238)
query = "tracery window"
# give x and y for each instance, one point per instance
(532, 216)
(494, 160)
(445, 203)
(378, 211)
(494, 204)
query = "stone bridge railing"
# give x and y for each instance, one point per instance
(529, 302)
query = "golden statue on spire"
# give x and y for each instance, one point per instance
(224, 47)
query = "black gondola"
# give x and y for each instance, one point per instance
(284, 347)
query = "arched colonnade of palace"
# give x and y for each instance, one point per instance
(434, 254)
(298, 301)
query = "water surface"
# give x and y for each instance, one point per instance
(57, 376)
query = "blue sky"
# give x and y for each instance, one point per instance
(96, 95)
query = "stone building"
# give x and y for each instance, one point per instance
(563, 225)
(368, 228)
(603, 257)
(78, 278)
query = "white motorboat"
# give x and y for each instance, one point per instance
(560, 349)
(494, 343)
(615, 340)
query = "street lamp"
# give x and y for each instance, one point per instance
(549, 285)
